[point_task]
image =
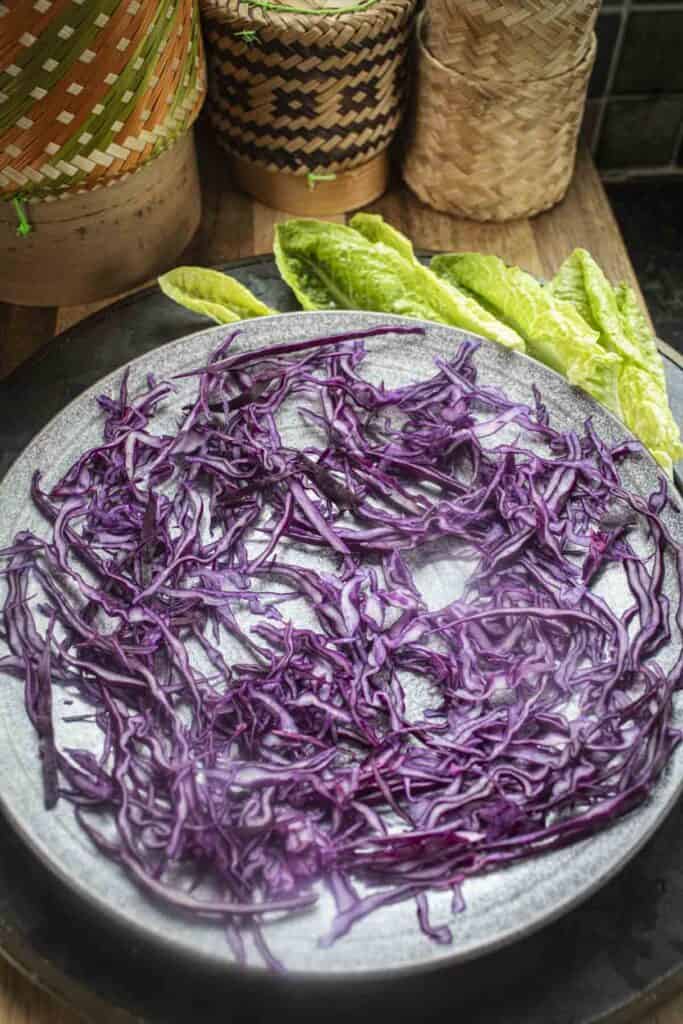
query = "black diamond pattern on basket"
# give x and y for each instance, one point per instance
(323, 96)
(358, 98)
(294, 103)
(233, 92)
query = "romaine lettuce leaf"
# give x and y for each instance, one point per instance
(454, 306)
(623, 327)
(375, 229)
(551, 328)
(568, 285)
(216, 295)
(555, 333)
(597, 373)
(635, 326)
(329, 266)
(581, 281)
(647, 414)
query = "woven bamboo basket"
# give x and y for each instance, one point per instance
(515, 40)
(493, 150)
(306, 104)
(90, 94)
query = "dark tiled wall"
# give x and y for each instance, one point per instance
(634, 115)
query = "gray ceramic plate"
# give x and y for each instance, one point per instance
(501, 906)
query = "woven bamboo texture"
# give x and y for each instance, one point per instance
(491, 150)
(516, 40)
(306, 93)
(90, 90)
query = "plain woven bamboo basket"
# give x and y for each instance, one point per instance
(307, 103)
(515, 40)
(91, 93)
(493, 150)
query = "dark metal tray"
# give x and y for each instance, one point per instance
(604, 961)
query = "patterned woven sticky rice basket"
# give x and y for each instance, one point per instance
(493, 150)
(310, 95)
(516, 40)
(90, 90)
(96, 93)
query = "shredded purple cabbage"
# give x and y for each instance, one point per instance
(229, 786)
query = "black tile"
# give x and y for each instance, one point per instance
(591, 117)
(640, 133)
(650, 215)
(650, 59)
(607, 29)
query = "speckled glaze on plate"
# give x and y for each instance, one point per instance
(501, 906)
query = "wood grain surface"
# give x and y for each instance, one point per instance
(235, 226)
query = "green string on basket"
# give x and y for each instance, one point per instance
(24, 228)
(314, 178)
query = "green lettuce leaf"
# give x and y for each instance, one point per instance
(581, 281)
(554, 332)
(647, 414)
(375, 229)
(597, 373)
(216, 295)
(453, 306)
(568, 285)
(635, 326)
(623, 328)
(330, 266)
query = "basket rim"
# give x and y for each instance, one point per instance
(495, 85)
(284, 18)
(356, 6)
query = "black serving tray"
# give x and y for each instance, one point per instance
(606, 961)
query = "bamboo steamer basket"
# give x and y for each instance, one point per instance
(515, 40)
(97, 100)
(493, 150)
(102, 242)
(306, 101)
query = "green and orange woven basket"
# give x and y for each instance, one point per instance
(93, 94)
(90, 90)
